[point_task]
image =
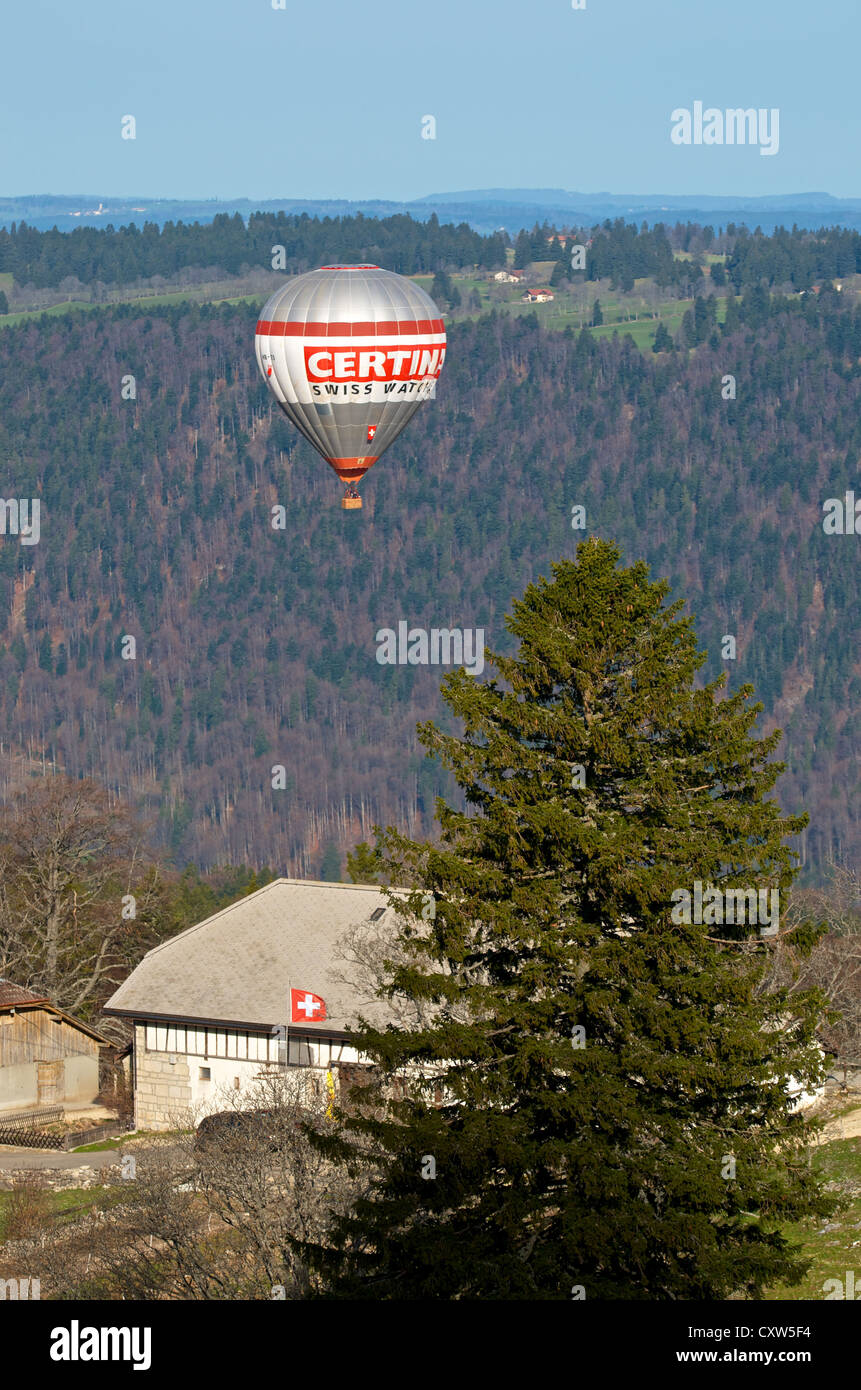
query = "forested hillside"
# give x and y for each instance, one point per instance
(256, 646)
(125, 253)
(618, 250)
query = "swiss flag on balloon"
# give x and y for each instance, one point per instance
(306, 1007)
(372, 429)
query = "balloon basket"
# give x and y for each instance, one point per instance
(351, 504)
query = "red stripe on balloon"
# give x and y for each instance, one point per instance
(387, 328)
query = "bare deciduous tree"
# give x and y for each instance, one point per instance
(363, 960)
(67, 859)
(365, 957)
(833, 965)
(217, 1221)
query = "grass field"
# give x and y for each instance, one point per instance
(122, 1141)
(709, 257)
(62, 1205)
(478, 296)
(833, 1246)
(153, 301)
(259, 299)
(8, 319)
(563, 311)
(642, 332)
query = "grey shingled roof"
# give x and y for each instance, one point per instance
(235, 967)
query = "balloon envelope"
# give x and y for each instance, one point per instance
(350, 353)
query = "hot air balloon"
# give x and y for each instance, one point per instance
(350, 352)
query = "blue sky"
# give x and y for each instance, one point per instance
(325, 98)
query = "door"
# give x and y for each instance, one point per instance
(50, 1082)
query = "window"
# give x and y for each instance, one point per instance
(204, 1074)
(236, 1083)
(180, 1042)
(203, 1042)
(376, 914)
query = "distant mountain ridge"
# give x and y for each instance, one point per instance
(486, 210)
(558, 197)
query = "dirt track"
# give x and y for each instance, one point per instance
(49, 1160)
(845, 1127)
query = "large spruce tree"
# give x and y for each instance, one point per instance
(603, 1108)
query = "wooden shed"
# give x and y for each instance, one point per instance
(46, 1056)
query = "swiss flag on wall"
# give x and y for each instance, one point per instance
(306, 1007)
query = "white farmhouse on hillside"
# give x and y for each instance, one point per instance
(207, 1004)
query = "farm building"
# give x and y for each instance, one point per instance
(207, 1004)
(537, 296)
(46, 1056)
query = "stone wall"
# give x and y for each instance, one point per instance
(58, 1179)
(162, 1088)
